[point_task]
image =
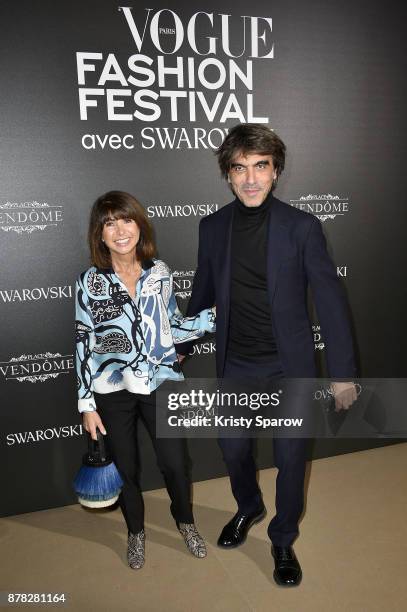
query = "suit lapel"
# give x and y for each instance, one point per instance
(225, 259)
(224, 276)
(277, 246)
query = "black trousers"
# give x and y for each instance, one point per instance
(120, 412)
(289, 458)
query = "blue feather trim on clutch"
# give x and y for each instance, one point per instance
(98, 482)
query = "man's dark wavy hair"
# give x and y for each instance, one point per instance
(249, 138)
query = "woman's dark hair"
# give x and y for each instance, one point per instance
(118, 205)
(249, 138)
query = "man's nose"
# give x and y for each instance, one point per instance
(251, 175)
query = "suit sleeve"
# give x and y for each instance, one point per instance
(203, 290)
(331, 304)
(85, 340)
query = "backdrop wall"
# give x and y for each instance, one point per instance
(96, 97)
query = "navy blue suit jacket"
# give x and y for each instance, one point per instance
(296, 257)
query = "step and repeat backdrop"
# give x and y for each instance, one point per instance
(97, 96)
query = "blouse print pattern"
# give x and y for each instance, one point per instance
(125, 343)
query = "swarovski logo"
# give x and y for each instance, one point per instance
(181, 210)
(325, 206)
(41, 435)
(183, 280)
(342, 271)
(35, 294)
(326, 393)
(36, 368)
(28, 217)
(205, 348)
(319, 345)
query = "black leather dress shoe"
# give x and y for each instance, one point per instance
(287, 569)
(235, 532)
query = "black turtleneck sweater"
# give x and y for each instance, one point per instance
(250, 332)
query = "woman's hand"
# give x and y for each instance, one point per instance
(91, 422)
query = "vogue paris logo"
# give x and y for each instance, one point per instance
(36, 368)
(36, 293)
(167, 31)
(28, 217)
(181, 210)
(197, 67)
(325, 206)
(146, 83)
(249, 27)
(183, 280)
(41, 435)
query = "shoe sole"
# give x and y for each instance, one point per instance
(254, 521)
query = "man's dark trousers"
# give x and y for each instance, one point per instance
(289, 459)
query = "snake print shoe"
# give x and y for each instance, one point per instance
(192, 539)
(136, 549)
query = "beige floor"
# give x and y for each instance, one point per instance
(352, 547)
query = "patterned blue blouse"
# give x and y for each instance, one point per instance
(125, 343)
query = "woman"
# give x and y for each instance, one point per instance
(127, 321)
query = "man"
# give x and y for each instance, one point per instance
(256, 258)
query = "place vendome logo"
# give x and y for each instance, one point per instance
(29, 217)
(325, 206)
(181, 68)
(319, 344)
(36, 368)
(183, 280)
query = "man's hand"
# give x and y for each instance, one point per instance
(91, 422)
(345, 394)
(181, 357)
